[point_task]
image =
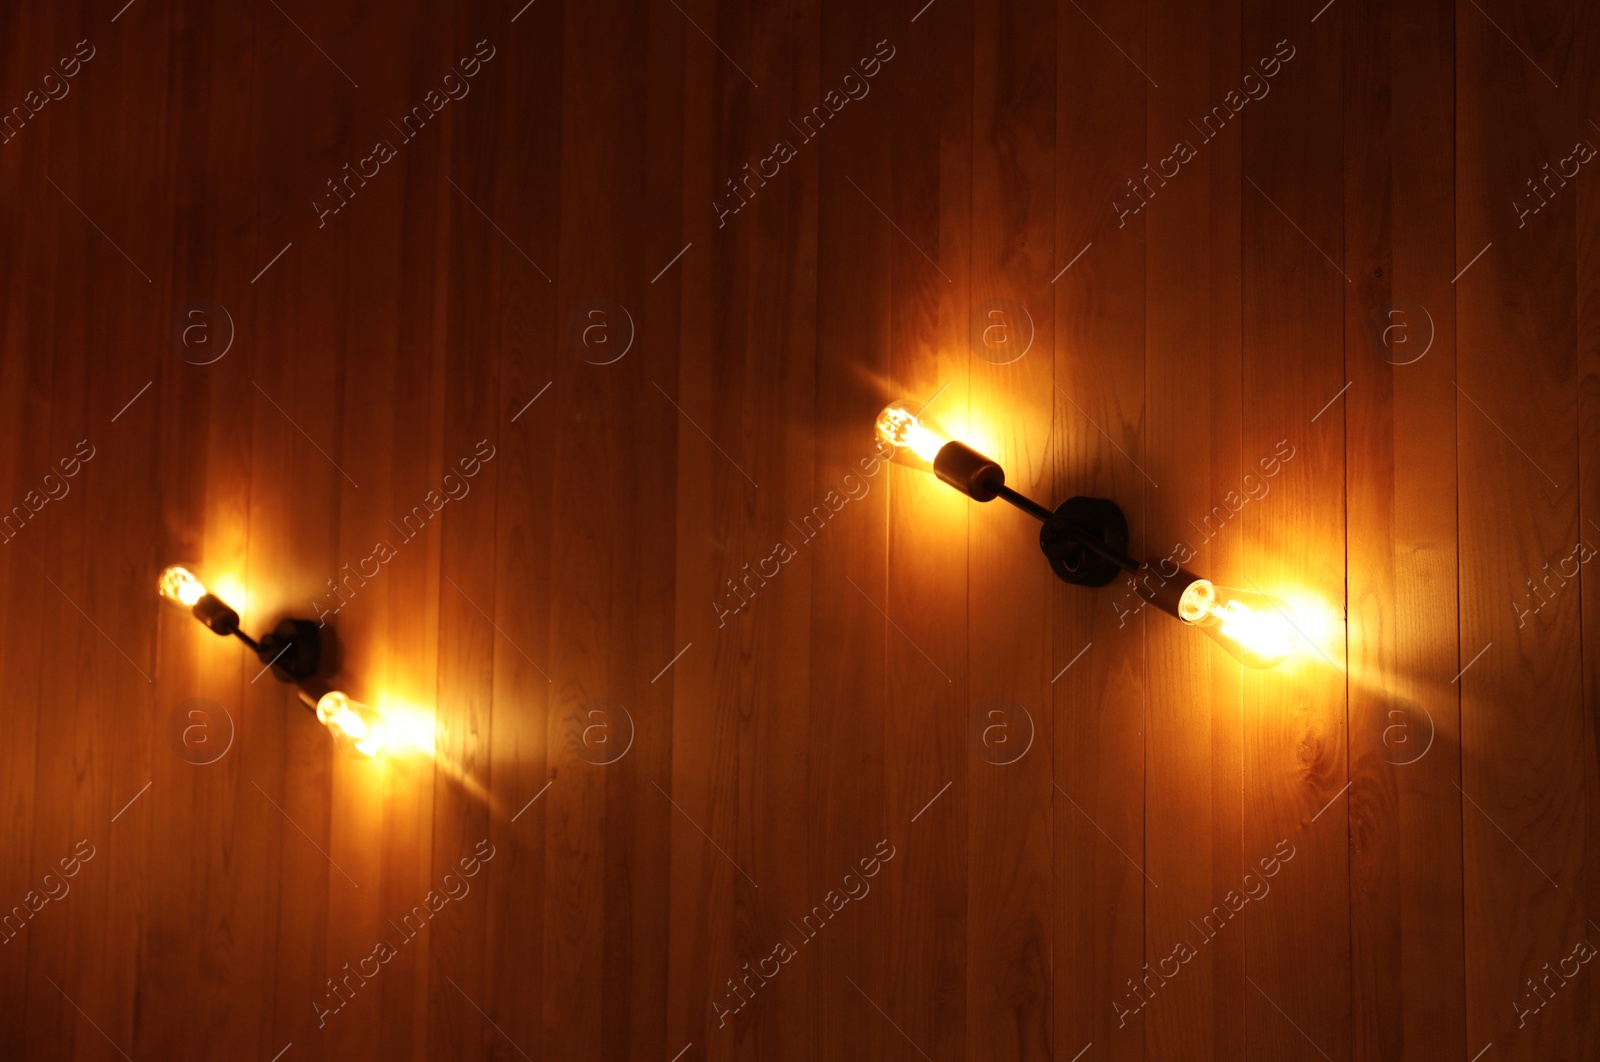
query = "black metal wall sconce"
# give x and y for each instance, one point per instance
(1086, 542)
(293, 651)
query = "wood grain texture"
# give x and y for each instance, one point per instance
(925, 919)
(1098, 695)
(1404, 733)
(1588, 273)
(717, 736)
(1011, 804)
(1527, 744)
(1296, 729)
(1195, 761)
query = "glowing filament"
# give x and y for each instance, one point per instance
(353, 724)
(902, 430)
(180, 585)
(1254, 627)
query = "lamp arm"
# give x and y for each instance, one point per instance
(1021, 501)
(1115, 556)
(1073, 531)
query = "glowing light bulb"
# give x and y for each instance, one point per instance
(907, 435)
(354, 726)
(910, 436)
(182, 587)
(1256, 629)
(179, 584)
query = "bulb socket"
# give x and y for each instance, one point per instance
(215, 613)
(1164, 591)
(968, 471)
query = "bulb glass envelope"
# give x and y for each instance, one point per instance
(354, 726)
(909, 436)
(1255, 629)
(181, 586)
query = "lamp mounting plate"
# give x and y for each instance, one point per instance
(293, 649)
(1076, 519)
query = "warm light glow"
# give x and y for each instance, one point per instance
(407, 725)
(228, 587)
(1255, 628)
(901, 429)
(178, 584)
(353, 724)
(908, 434)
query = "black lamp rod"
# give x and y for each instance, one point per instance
(1021, 501)
(1088, 542)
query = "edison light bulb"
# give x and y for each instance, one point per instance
(912, 437)
(353, 725)
(180, 585)
(1254, 628)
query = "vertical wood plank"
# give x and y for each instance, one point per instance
(1009, 619)
(1193, 1005)
(25, 423)
(853, 701)
(1587, 199)
(613, 486)
(389, 633)
(468, 591)
(741, 402)
(513, 148)
(926, 191)
(1522, 719)
(1295, 733)
(1407, 978)
(1097, 276)
(292, 780)
(85, 624)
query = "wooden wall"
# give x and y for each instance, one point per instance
(1311, 289)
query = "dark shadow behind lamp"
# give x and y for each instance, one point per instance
(293, 650)
(1086, 542)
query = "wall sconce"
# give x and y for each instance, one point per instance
(293, 650)
(1086, 542)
